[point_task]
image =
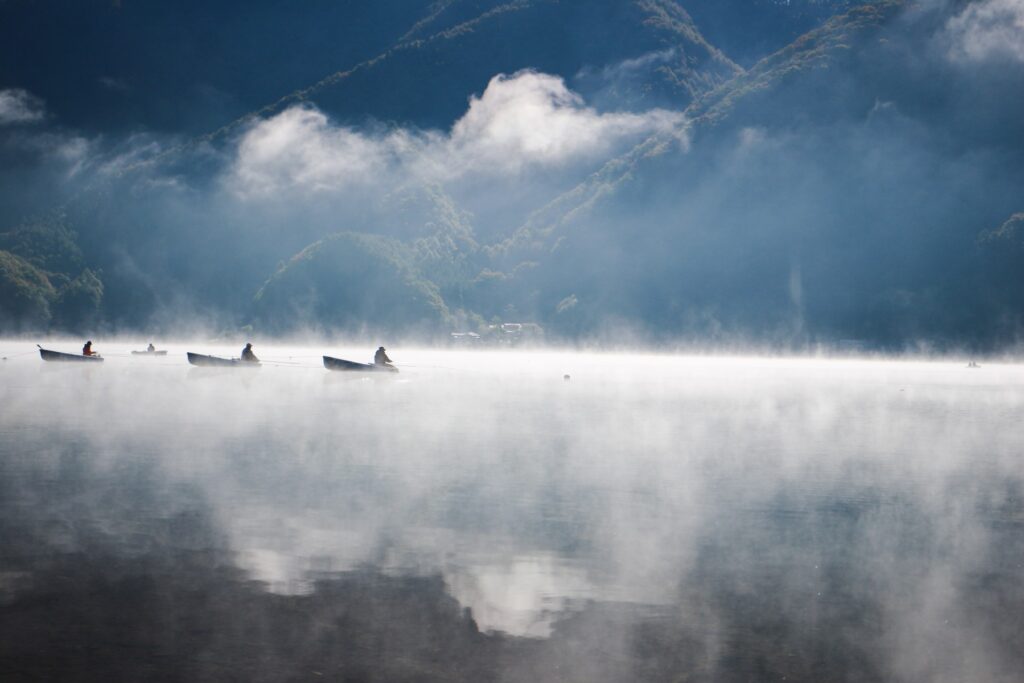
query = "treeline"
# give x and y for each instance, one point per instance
(44, 282)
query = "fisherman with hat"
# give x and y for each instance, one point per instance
(381, 358)
(248, 355)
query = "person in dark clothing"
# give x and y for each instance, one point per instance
(151, 348)
(87, 349)
(381, 357)
(248, 355)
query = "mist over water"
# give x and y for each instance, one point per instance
(480, 517)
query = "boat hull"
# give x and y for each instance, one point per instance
(150, 353)
(61, 357)
(342, 365)
(205, 361)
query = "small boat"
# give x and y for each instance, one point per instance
(150, 353)
(342, 365)
(217, 362)
(59, 356)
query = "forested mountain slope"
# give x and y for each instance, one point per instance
(780, 173)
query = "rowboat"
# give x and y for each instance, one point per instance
(59, 357)
(342, 365)
(150, 353)
(217, 362)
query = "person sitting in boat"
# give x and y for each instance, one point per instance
(151, 348)
(381, 357)
(248, 355)
(87, 349)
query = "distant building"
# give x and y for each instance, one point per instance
(500, 334)
(513, 334)
(465, 338)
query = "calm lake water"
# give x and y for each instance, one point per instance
(479, 517)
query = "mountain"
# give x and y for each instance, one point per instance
(834, 47)
(704, 291)
(818, 199)
(346, 279)
(342, 281)
(43, 280)
(786, 174)
(192, 67)
(426, 76)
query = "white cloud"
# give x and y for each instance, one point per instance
(520, 121)
(20, 106)
(67, 154)
(74, 152)
(301, 148)
(533, 118)
(988, 29)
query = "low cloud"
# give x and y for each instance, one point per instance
(301, 148)
(533, 118)
(65, 153)
(527, 120)
(20, 106)
(987, 30)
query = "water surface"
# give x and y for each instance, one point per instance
(480, 517)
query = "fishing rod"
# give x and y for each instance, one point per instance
(288, 365)
(18, 355)
(432, 367)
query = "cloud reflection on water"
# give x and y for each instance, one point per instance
(748, 507)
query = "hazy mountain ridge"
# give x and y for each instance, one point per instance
(822, 48)
(665, 21)
(827, 85)
(547, 36)
(808, 198)
(549, 228)
(816, 50)
(348, 278)
(429, 74)
(192, 62)
(342, 281)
